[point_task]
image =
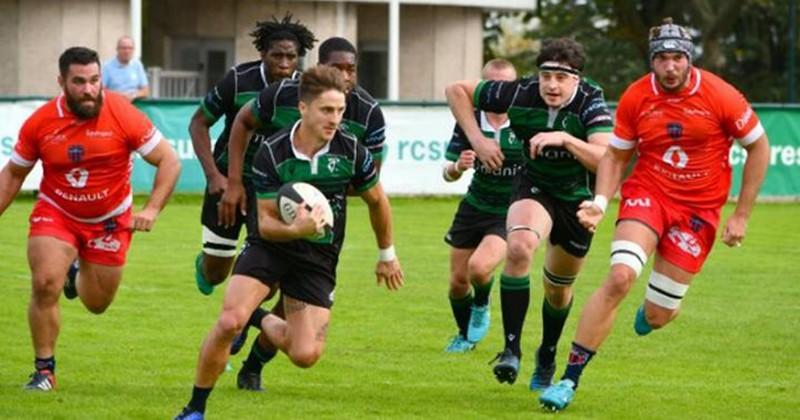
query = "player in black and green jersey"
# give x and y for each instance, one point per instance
(280, 44)
(565, 124)
(477, 235)
(275, 108)
(315, 151)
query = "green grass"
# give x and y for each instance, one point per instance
(733, 353)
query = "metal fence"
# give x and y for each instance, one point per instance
(173, 83)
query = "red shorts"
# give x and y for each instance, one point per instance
(685, 234)
(104, 243)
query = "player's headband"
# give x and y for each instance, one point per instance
(560, 67)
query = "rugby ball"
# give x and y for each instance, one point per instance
(293, 194)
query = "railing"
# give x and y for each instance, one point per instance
(173, 83)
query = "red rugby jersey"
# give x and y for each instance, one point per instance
(683, 139)
(86, 163)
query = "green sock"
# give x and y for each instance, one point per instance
(553, 321)
(461, 312)
(515, 295)
(482, 292)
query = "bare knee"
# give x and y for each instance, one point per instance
(479, 270)
(46, 289)
(459, 285)
(230, 323)
(520, 249)
(619, 281)
(304, 357)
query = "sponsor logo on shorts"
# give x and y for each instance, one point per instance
(41, 219)
(331, 296)
(637, 202)
(686, 241)
(105, 243)
(578, 246)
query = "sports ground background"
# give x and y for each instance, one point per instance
(733, 352)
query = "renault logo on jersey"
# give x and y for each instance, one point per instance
(675, 130)
(332, 162)
(75, 153)
(675, 157)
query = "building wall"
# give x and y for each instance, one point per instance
(235, 20)
(438, 44)
(36, 32)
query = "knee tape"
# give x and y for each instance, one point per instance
(630, 254)
(216, 245)
(665, 292)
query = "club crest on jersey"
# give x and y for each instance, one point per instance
(75, 153)
(332, 162)
(675, 130)
(695, 223)
(687, 242)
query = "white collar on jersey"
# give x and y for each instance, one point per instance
(695, 75)
(486, 126)
(301, 155)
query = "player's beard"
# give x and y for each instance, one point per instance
(79, 107)
(681, 81)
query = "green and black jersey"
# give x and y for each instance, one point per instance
(556, 171)
(276, 108)
(343, 162)
(490, 190)
(241, 83)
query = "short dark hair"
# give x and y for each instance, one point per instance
(77, 55)
(562, 50)
(319, 79)
(268, 32)
(332, 45)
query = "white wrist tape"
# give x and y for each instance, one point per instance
(387, 254)
(601, 202)
(446, 172)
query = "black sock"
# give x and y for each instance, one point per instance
(199, 397)
(482, 292)
(579, 357)
(258, 357)
(515, 295)
(256, 317)
(553, 321)
(461, 312)
(46, 363)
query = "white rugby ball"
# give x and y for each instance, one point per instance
(292, 194)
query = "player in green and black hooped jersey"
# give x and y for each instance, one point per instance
(477, 235)
(565, 125)
(280, 44)
(275, 108)
(314, 150)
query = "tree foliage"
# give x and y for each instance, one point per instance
(745, 41)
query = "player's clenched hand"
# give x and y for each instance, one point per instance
(233, 200)
(542, 140)
(390, 273)
(466, 160)
(309, 223)
(144, 220)
(489, 153)
(734, 231)
(590, 215)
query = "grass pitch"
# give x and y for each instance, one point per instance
(733, 352)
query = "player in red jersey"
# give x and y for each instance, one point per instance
(85, 138)
(681, 121)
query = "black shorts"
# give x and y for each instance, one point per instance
(471, 225)
(305, 275)
(567, 231)
(221, 241)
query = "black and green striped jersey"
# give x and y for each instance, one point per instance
(276, 108)
(556, 171)
(341, 163)
(490, 190)
(241, 83)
